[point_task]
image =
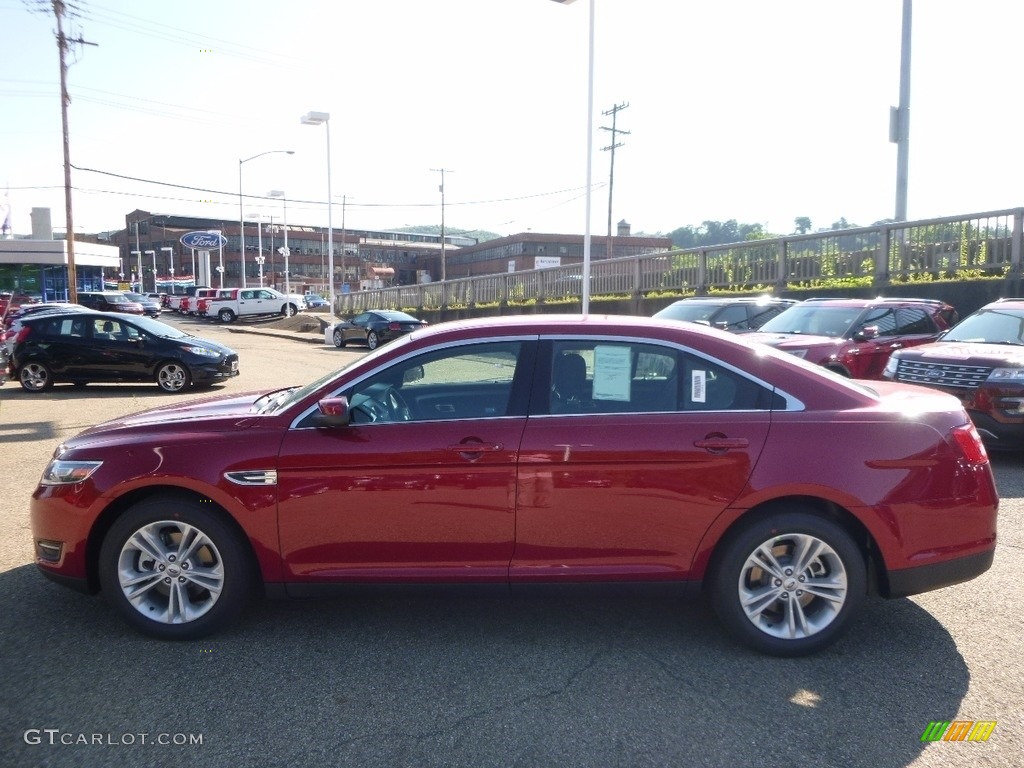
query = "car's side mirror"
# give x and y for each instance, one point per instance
(333, 412)
(866, 333)
(412, 374)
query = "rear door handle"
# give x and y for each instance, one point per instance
(476, 447)
(721, 444)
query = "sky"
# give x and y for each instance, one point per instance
(750, 110)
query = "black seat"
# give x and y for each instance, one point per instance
(568, 383)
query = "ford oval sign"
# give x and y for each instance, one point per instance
(204, 241)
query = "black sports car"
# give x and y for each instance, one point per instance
(373, 328)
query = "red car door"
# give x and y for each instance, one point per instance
(624, 485)
(420, 487)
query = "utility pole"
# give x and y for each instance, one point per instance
(59, 9)
(899, 119)
(614, 111)
(442, 171)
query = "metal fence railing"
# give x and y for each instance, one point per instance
(969, 246)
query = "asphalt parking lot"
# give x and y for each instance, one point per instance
(478, 682)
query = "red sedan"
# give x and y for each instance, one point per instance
(527, 452)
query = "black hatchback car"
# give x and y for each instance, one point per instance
(729, 313)
(104, 347)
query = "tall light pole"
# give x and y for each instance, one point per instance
(899, 129)
(139, 255)
(284, 251)
(170, 263)
(318, 118)
(142, 283)
(241, 215)
(444, 260)
(590, 151)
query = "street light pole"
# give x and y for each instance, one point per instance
(142, 283)
(590, 152)
(324, 118)
(139, 254)
(241, 215)
(284, 250)
(170, 265)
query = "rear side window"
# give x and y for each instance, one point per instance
(634, 377)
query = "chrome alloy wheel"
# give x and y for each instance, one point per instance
(172, 377)
(170, 572)
(793, 586)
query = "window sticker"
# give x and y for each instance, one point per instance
(698, 388)
(611, 373)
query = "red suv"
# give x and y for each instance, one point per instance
(854, 337)
(981, 362)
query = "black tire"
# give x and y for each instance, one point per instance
(776, 613)
(35, 376)
(339, 338)
(172, 376)
(226, 316)
(372, 340)
(289, 310)
(209, 587)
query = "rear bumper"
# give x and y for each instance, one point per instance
(913, 581)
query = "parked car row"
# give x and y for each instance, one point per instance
(979, 359)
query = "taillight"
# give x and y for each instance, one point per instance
(966, 437)
(393, 326)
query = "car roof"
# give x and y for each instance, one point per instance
(735, 300)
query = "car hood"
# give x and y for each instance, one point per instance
(965, 353)
(791, 341)
(220, 413)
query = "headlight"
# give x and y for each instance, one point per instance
(1006, 374)
(60, 472)
(890, 367)
(203, 351)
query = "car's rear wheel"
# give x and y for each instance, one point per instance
(226, 316)
(174, 570)
(172, 376)
(788, 583)
(35, 377)
(372, 340)
(339, 338)
(289, 310)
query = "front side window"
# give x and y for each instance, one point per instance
(467, 382)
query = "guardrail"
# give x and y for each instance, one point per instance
(970, 246)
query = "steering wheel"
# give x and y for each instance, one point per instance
(399, 409)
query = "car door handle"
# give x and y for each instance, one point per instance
(476, 447)
(721, 443)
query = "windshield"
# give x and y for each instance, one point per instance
(992, 326)
(279, 400)
(157, 328)
(694, 313)
(814, 320)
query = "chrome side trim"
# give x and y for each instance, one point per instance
(252, 477)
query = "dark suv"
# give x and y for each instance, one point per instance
(854, 337)
(109, 301)
(981, 361)
(733, 313)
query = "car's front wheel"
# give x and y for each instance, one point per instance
(173, 377)
(35, 377)
(788, 583)
(174, 570)
(339, 338)
(372, 340)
